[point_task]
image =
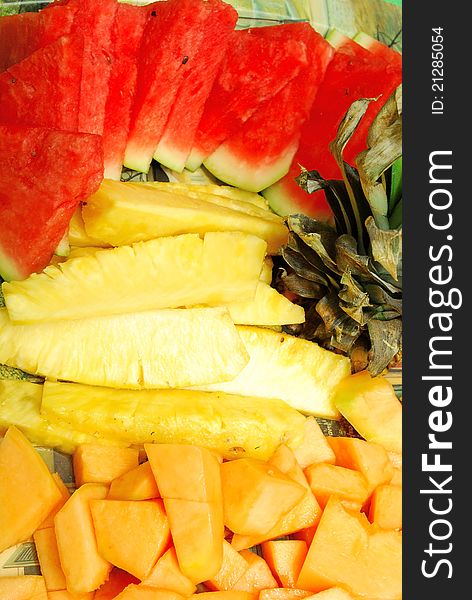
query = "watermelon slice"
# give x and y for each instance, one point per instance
(43, 89)
(39, 191)
(171, 40)
(353, 73)
(23, 34)
(259, 62)
(177, 140)
(261, 152)
(94, 21)
(126, 37)
(381, 50)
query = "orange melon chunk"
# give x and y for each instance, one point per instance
(116, 583)
(226, 595)
(143, 592)
(85, 570)
(131, 534)
(25, 587)
(185, 472)
(285, 559)
(48, 556)
(306, 535)
(94, 463)
(348, 552)
(369, 458)
(136, 484)
(197, 532)
(256, 495)
(166, 574)
(314, 447)
(326, 480)
(65, 495)
(232, 568)
(66, 595)
(334, 593)
(283, 594)
(23, 476)
(386, 507)
(306, 513)
(258, 575)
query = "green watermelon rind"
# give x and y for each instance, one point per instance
(8, 269)
(170, 156)
(241, 173)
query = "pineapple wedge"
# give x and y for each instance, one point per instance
(288, 368)
(20, 403)
(154, 349)
(77, 235)
(163, 273)
(266, 271)
(123, 213)
(235, 426)
(212, 190)
(268, 307)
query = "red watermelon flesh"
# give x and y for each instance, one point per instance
(261, 152)
(179, 133)
(94, 21)
(170, 43)
(43, 89)
(23, 34)
(126, 38)
(39, 191)
(259, 62)
(353, 73)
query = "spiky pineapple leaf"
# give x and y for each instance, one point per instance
(318, 236)
(386, 339)
(396, 186)
(386, 247)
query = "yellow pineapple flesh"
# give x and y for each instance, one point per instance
(212, 190)
(153, 349)
(288, 368)
(233, 425)
(20, 403)
(123, 213)
(77, 235)
(266, 271)
(168, 272)
(268, 307)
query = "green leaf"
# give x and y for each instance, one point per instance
(386, 247)
(386, 343)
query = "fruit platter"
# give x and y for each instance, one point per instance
(201, 304)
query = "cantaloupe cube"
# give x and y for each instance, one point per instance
(256, 495)
(397, 478)
(314, 447)
(197, 532)
(283, 594)
(116, 583)
(285, 559)
(66, 595)
(166, 574)
(334, 593)
(65, 495)
(185, 472)
(227, 595)
(131, 534)
(305, 535)
(25, 587)
(258, 575)
(143, 592)
(48, 556)
(306, 513)
(137, 484)
(369, 458)
(23, 476)
(386, 507)
(348, 552)
(85, 570)
(326, 480)
(95, 463)
(232, 568)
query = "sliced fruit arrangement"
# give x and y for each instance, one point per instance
(177, 519)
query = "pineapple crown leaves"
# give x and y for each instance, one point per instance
(349, 277)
